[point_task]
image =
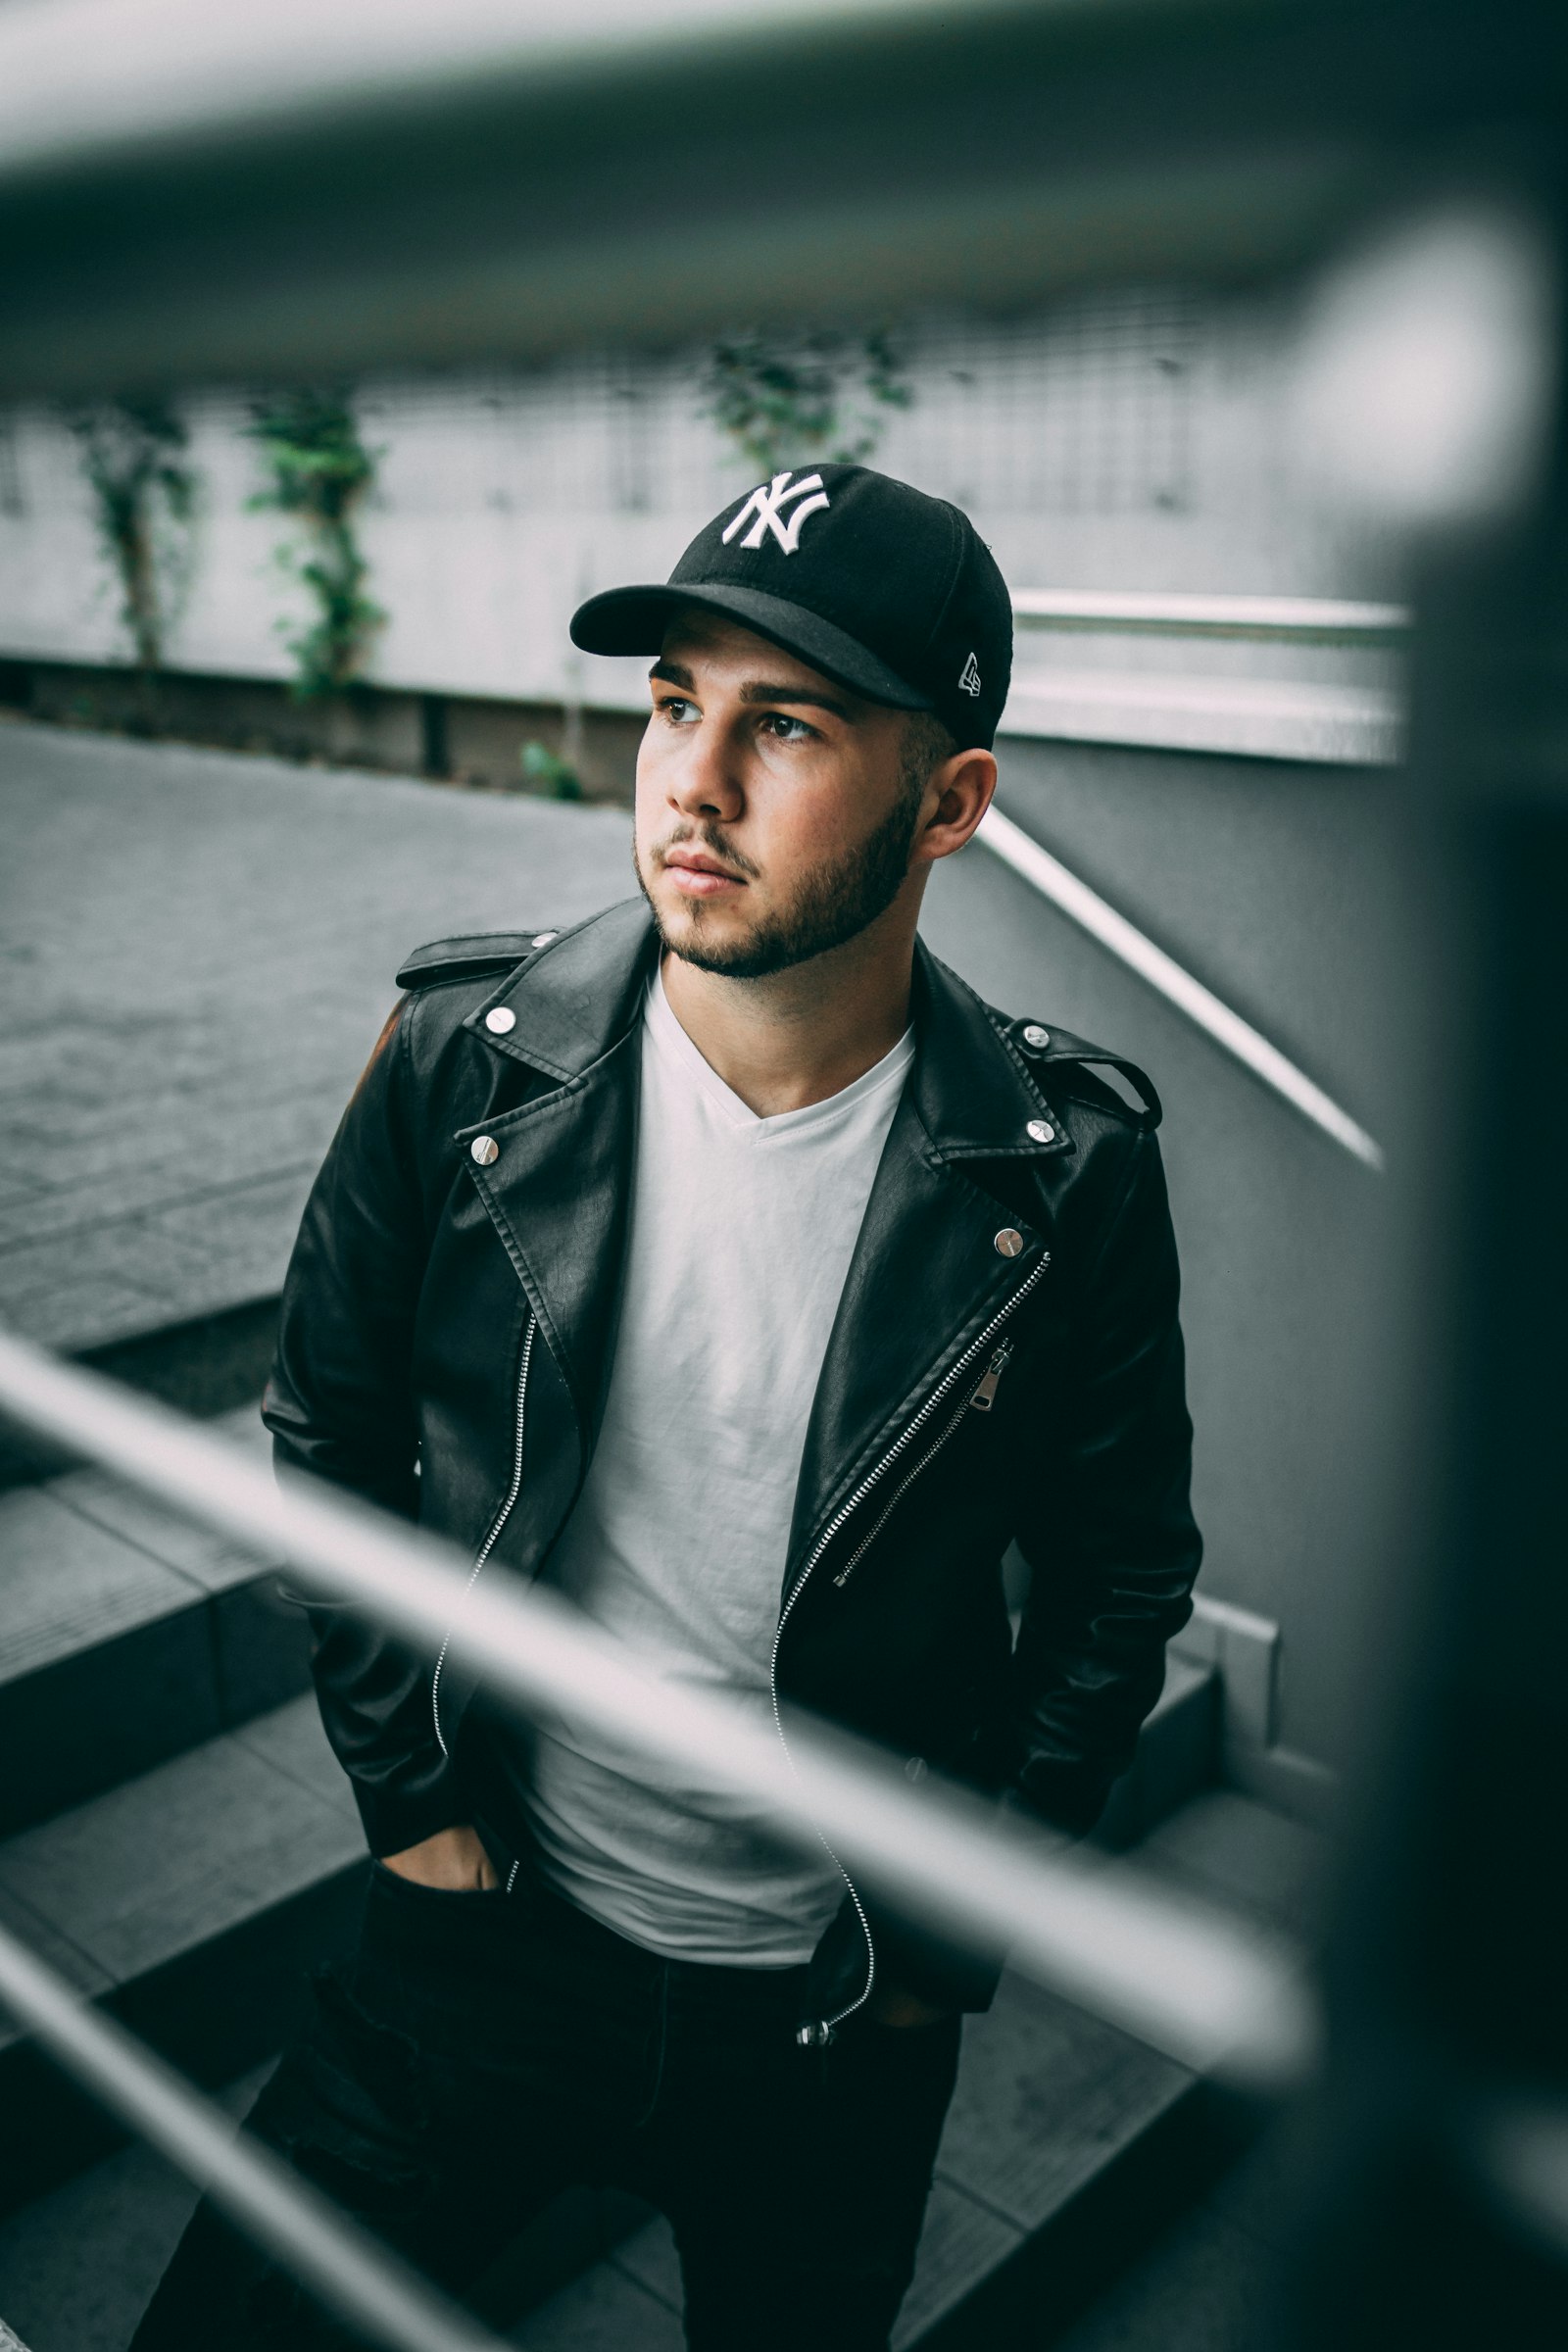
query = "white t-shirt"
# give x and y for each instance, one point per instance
(742, 1230)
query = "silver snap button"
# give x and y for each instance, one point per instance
(1008, 1242)
(1035, 1037)
(542, 939)
(499, 1019)
(916, 1769)
(486, 1150)
(1041, 1133)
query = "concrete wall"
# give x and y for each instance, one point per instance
(1134, 440)
(1139, 443)
(1277, 887)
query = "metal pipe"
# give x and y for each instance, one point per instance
(1315, 619)
(329, 2254)
(1206, 1011)
(1179, 1976)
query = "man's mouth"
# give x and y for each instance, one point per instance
(698, 874)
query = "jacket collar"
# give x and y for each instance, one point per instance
(576, 994)
(928, 1273)
(973, 1090)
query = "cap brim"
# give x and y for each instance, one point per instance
(634, 620)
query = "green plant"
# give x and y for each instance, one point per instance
(318, 472)
(548, 772)
(144, 503)
(785, 398)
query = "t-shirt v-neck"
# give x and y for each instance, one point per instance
(742, 1231)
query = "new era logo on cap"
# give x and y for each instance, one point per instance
(895, 596)
(767, 503)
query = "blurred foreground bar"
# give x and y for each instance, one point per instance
(266, 190)
(252, 202)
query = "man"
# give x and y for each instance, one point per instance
(727, 1263)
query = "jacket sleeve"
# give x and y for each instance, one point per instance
(340, 1407)
(1110, 1540)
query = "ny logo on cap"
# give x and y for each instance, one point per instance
(768, 501)
(971, 680)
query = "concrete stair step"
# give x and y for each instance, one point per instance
(128, 1635)
(1066, 2146)
(1052, 2110)
(189, 1900)
(1177, 1757)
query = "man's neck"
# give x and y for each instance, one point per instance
(797, 1036)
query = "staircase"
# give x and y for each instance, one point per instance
(177, 1838)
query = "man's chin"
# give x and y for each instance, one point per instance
(694, 924)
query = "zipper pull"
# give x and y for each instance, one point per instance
(985, 1395)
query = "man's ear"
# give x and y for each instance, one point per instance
(963, 785)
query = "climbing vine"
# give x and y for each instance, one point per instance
(319, 471)
(133, 454)
(787, 398)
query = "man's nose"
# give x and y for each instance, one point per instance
(706, 781)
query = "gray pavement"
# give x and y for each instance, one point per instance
(196, 955)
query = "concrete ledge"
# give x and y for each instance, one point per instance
(462, 738)
(189, 1901)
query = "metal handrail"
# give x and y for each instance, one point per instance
(1206, 1011)
(1312, 620)
(328, 2253)
(1178, 1975)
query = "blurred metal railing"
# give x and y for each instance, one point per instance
(1200, 1004)
(484, 191)
(327, 2252)
(1177, 1975)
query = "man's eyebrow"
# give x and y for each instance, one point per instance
(756, 690)
(761, 690)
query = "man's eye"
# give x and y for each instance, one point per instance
(678, 710)
(785, 729)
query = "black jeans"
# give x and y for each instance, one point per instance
(484, 2051)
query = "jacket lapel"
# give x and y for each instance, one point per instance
(560, 1190)
(926, 1276)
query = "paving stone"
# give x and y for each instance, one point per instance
(131, 1251)
(561, 2241)
(68, 1583)
(78, 1968)
(650, 2256)
(177, 1857)
(962, 2243)
(78, 1315)
(201, 1555)
(262, 1649)
(106, 1659)
(1046, 2097)
(1242, 1854)
(191, 993)
(1204, 2288)
(291, 1740)
(129, 2210)
(606, 2310)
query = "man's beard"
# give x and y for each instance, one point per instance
(833, 901)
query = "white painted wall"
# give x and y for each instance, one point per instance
(1129, 441)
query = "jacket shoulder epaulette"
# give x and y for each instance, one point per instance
(477, 956)
(1058, 1049)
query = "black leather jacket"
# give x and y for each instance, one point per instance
(1005, 1365)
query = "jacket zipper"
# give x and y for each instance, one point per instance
(844, 1511)
(985, 1395)
(496, 1524)
(979, 1401)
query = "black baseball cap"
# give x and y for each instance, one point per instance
(890, 592)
